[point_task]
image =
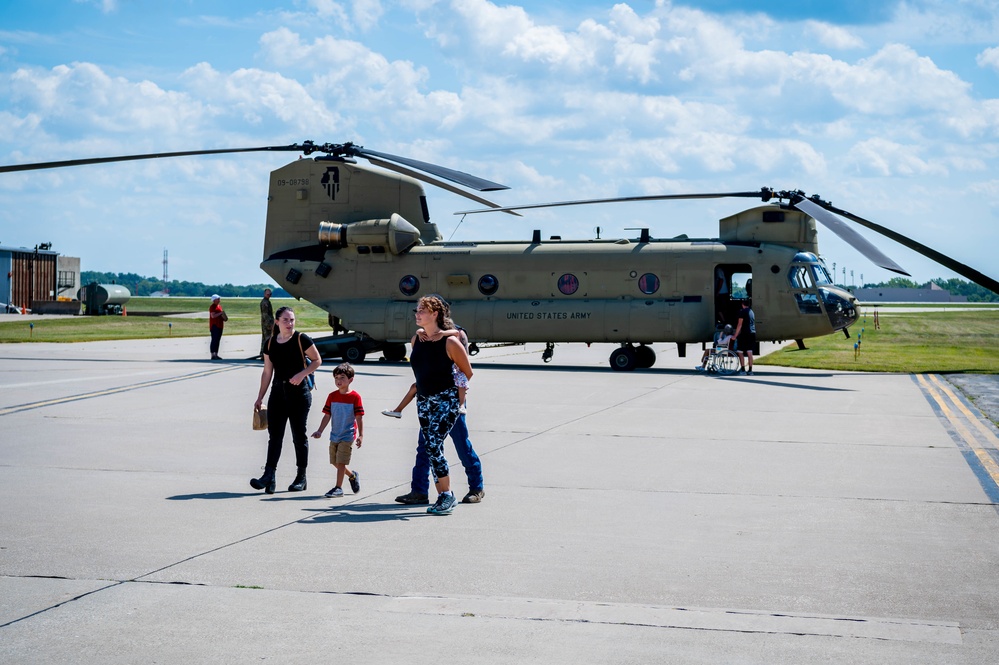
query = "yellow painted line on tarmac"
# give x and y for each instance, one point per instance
(110, 391)
(988, 463)
(988, 433)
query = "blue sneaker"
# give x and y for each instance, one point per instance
(444, 505)
(355, 484)
(336, 491)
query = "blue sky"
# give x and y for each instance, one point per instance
(888, 109)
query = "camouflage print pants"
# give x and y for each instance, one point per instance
(266, 330)
(437, 414)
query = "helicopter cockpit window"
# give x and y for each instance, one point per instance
(488, 285)
(409, 285)
(805, 272)
(821, 276)
(568, 284)
(648, 284)
(801, 277)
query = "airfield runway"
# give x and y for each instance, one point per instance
(656, 516)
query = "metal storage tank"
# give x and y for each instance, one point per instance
(103, 298)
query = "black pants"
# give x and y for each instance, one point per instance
(288, 404)
(216, 338)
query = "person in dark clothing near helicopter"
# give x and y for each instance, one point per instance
(745, 335)
(290, 398)
(722, 295)
(266, 321)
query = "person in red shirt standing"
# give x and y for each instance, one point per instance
(216, 321)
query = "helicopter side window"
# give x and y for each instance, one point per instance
(820, 275)
(648, 284)
(800, 277)
(409, 285)
(802, 280)
(488, 285)
(568, 284)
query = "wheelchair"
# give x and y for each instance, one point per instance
(722, 361)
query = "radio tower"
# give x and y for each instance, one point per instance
(166, 289)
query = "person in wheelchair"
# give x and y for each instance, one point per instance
(723, 340)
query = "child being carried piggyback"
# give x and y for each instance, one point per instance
(344, 413)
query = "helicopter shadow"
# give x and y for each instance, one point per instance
(786, 384)
(357, 513)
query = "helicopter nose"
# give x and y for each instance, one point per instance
(841, 307)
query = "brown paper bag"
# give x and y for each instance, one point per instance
(260, 418)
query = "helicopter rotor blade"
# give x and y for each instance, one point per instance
(433, 181)
(965, 271)
(847, 233)
(460, 177)
(765, 194)
(128, 158)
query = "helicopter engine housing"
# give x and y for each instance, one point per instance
(394, 233)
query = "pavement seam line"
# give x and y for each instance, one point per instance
(58, 605)
(110, 391)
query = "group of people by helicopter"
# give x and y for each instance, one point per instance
(441, 366)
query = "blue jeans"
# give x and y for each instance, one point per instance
(463, 446)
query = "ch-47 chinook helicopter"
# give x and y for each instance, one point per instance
(357, 241)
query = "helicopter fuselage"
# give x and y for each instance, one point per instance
(358, 243)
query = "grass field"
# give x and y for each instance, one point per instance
(928, 341)
(934, 341)
(244, 318)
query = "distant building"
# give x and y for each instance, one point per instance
(933, 294)
(36, 275)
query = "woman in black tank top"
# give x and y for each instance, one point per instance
(285, 371)
(436, 395)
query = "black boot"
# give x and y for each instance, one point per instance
(265, 482)
(299, 483)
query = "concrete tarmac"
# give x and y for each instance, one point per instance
(661, 515)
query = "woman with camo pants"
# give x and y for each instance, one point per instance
(436, 395)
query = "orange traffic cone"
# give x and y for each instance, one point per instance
(24, 310)
(124, 312)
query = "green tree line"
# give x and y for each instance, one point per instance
(138, 286)
(956, 287)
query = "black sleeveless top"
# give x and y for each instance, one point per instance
(431, 367)
(286, 358)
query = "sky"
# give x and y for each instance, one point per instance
(889, 110)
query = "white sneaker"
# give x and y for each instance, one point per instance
(462, 410)
(392, 414)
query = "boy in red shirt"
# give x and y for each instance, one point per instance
(344, 412)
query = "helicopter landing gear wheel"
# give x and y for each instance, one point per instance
(353, 353)
(645, 357)
(623, 359)
(394, 353)
(549, 351)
